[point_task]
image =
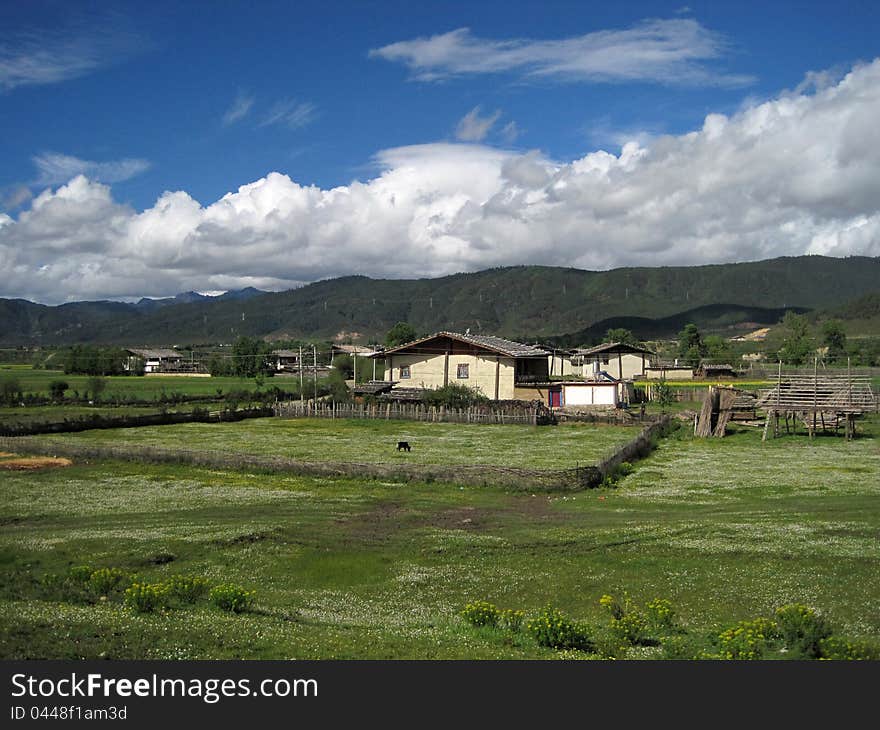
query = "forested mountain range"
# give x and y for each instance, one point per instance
(525, 302)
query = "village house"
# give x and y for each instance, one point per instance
(500, 369)
(617, 359)
(155, 360)
(285, 361)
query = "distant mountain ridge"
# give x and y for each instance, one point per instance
(188, 297)
(526, 302)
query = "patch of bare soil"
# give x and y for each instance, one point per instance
(32, 463)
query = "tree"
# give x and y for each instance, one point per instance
(691, 347)
(344, 363)
(834, 338)
(718, 349)
(663, 395)
(57, 388)
(10, 390)
(250, 357)
(797, 343)
(400, 334)
(96, 386)
(621, 335)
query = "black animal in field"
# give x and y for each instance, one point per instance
(403, 446)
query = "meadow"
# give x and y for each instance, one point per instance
(130, 387)
(375, 441)
(726, 529)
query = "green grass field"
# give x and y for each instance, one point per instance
(147, 387)
(375, 441)
(726, 529)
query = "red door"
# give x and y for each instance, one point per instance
(556, 398)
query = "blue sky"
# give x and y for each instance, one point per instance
(421, 139)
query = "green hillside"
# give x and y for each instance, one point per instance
(522, 301)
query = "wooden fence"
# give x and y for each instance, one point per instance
(534, 415)
(102, 421)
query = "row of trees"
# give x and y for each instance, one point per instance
(93, 360)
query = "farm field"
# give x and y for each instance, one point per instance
(726, 529)
(57, 413)
(146, 387)
(374, 441)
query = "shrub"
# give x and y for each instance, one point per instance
(553, 629)
(834, 647)
(232, 598)
(612, 605)
(147, 597)
(661, 614)
(187, 589)
(80, 573)
(481, 613)
(802, 629)
(511, 620)
(632, 628)
(628, 623)
(57, 388)
(104, 580)
(747, 639)
(683, 648)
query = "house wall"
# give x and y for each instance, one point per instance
(589, 394)
(560, 365)
(629, 366)
(669, 373)
(427, 371)
(532, 392)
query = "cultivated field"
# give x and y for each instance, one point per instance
(147, 387)
(726, 529)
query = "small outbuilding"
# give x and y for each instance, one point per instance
(620, 360)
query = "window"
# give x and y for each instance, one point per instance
(404, 372)
(462, 371)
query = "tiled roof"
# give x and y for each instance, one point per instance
(612, 347)
(488, 342)
(158, 354)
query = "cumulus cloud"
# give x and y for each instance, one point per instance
(474, 128)
(240, 108)
(793, 175)
(55, 168)
(665, 51)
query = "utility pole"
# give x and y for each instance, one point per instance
(302, 395)
(315, 371)
(354, 360)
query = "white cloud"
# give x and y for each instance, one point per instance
(240, 108)
(56, 168)
(474, 128)
(796, 174)
(664, 51)
(291, 113)
(510, 132)
(48, 55)
(14, 196)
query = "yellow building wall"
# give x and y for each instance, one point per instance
(532, 392)
(631, 366)
(560, 365)
(426, 371)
